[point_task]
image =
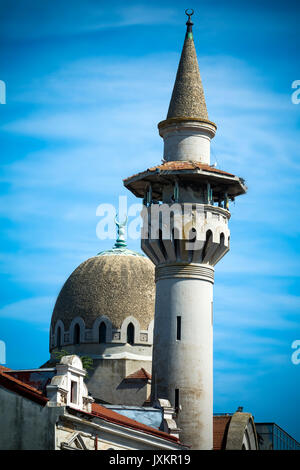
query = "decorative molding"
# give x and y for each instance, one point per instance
(187, 271)
(144, 337)
(59, 324)
(137, 329)
(96, 325)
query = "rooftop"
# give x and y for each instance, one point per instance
(191, 171)
(32, 393)
(140, 374)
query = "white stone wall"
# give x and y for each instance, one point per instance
(188, 140)
(25, 425)
(186, 364)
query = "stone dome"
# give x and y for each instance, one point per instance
(117, 284)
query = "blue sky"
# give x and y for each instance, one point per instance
(87, 82)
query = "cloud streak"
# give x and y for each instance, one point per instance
(32, 310)
(78, 17)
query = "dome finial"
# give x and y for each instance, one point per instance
(120, 242)
(120, 247)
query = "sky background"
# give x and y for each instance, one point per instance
(87, 82)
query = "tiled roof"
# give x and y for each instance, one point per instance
(141, 374)
(15, 385)
(184, 165)
(221, 424)
(37, 378)
(11, 383)
(181, 166)
(112, 416)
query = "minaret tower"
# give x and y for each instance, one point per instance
(185, 234)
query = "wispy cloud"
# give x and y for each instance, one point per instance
(78, 17)
(91, 112)
(32, 310)
(259, 307)
(93, 15)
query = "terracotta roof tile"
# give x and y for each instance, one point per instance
(139, 374)
(21, 388)
(182, 165)
(11, 383)
(36, 378)
(221, 424)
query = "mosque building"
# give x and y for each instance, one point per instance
(105, 310)
(145, 320)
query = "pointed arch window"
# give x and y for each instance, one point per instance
(102, 332)
(77, 334)
(130, 334)
(58, 337)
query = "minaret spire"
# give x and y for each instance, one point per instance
(188, 96)
(187, 131)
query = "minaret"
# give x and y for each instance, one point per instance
(185, 234)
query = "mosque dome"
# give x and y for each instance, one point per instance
(116, 286)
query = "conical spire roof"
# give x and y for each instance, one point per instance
(188, 96)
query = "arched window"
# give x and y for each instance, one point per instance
(102, 332)
(130, 334)
(58, 337)
(208, 243)
(76, 334)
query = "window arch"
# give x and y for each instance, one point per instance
(58, 337)
(208, 244)
(102, 332)
(77, 334)
(130, 333)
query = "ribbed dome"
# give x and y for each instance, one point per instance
(115, 286)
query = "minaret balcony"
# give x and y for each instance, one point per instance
(185, 233)
(186, 173)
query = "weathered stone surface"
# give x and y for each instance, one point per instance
(115, 286)
(188, 96)
(242, 433)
